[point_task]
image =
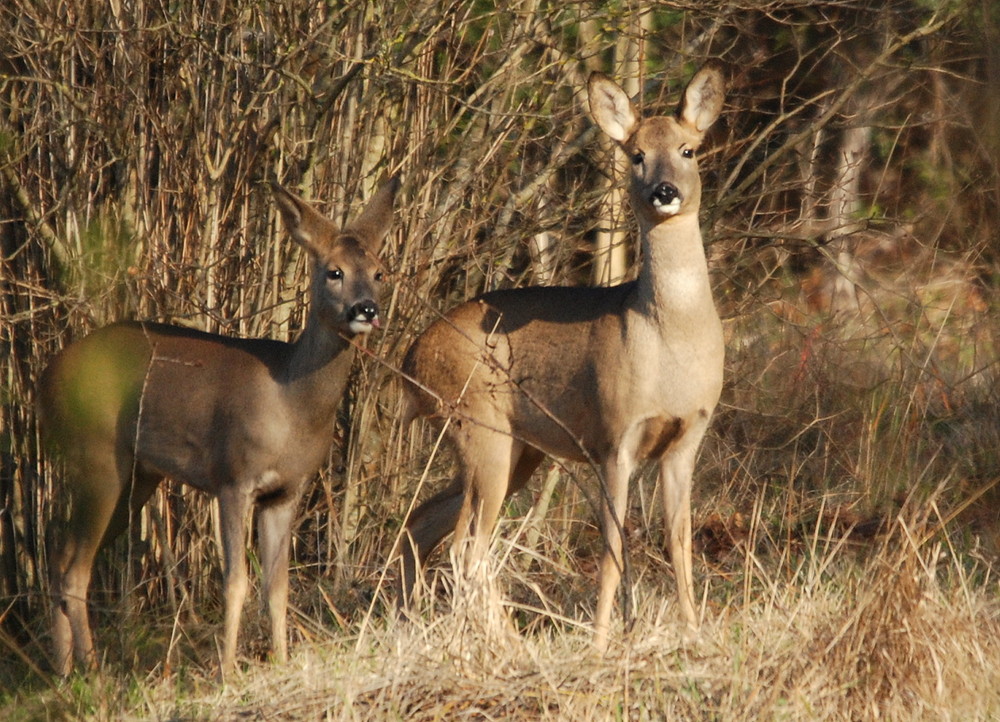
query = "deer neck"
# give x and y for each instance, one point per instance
(673, 281)
(318, 367)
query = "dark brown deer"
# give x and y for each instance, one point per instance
(247, 420)
(610, 376)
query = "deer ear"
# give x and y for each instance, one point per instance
(611, 107)
(375, 220)
(703, 97)
(305, 224)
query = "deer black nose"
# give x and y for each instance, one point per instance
(363, 317)
(364, 309)
(665, 194)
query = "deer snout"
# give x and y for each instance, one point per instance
(666, 198)
(363, 316)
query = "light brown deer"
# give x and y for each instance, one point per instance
(247, 420)
(610, 376)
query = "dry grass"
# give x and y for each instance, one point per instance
(846, 499)
(899, 633)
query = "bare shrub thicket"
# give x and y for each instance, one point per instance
(850, 209)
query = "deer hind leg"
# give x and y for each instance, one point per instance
(62, 632)
(617, 471)
(523, 469)
(94, 498)
(489, 462)
(274, 531)
(676, 470)
(233, 508)
(134, 496)
(429, 523)
(440, 515)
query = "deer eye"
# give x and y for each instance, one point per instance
(688, 153)
(638, 157)
(379, 276)
(334, 274)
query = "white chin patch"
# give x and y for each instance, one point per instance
(363, 325)
(667, 209)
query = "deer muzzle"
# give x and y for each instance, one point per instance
(363, 317)
(666, 199)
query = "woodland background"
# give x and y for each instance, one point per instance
(845, 501)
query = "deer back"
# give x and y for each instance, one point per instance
(212, 410)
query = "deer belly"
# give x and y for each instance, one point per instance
(560, 425)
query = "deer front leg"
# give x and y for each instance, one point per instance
(676, 469)
(274, 531)
(617, 470)
(233, 508)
